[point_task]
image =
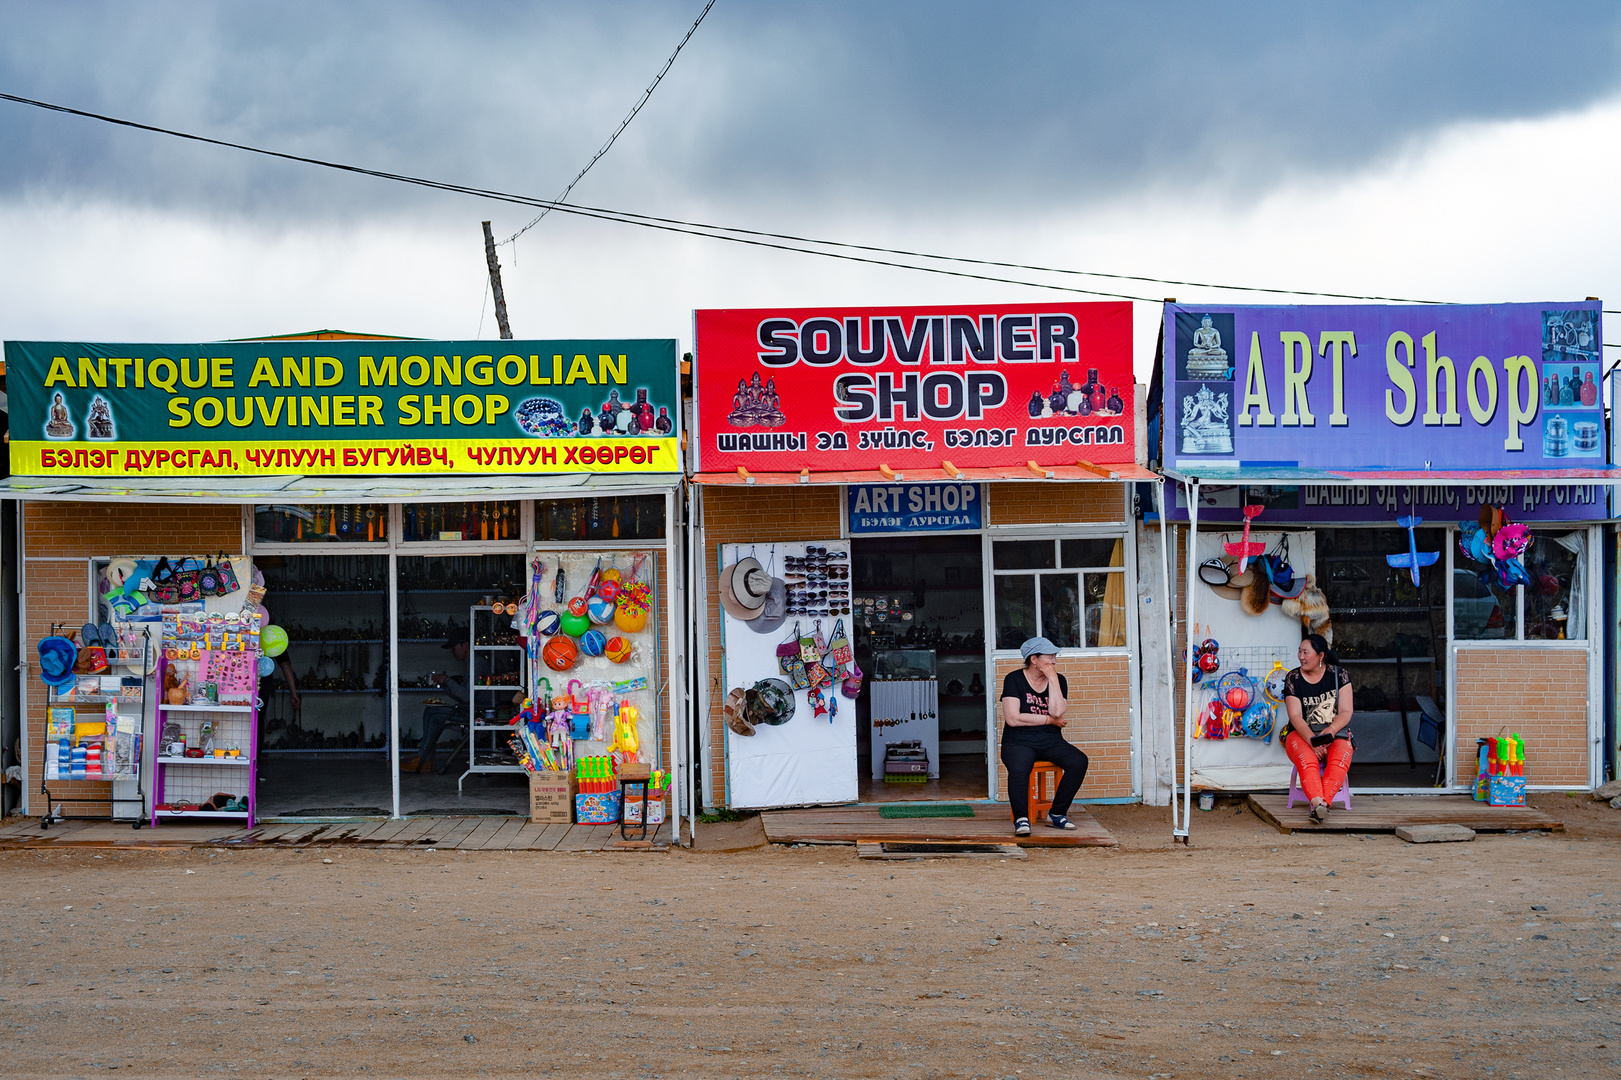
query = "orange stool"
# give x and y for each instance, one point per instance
(1043, 788)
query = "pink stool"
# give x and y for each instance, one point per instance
(1344, 796)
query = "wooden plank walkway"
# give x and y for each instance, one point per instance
(856, 823)
(1384, 813)
(440, 833)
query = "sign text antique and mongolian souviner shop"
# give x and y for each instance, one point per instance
(920, 490)
(395, 500)
(1434, 478)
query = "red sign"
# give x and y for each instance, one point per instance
(780, 390)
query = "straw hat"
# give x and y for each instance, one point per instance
(1233, 588)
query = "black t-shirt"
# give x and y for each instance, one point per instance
(1016, 685)
(1319, 701)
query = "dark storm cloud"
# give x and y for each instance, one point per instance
(953, 108)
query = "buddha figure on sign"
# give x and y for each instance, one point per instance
(59, 426)
(1207, 357)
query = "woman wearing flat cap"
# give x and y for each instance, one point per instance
(1034, 699)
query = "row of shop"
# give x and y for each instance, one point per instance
(844, 523)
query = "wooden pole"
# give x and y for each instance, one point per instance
(495, 284)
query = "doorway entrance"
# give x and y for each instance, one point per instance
(918, 612)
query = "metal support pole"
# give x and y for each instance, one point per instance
(1189, 607)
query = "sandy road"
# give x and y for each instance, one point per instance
(1253, 954)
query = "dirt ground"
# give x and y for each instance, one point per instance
(1249, 954)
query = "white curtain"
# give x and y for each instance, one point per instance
(1576, 603)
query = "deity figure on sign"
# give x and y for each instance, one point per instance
(1205, 417)
(770, 409)
(1207, 357)
(60, 425)
(99, 423)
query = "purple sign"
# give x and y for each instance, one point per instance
(1374, 503)
(1502, 386)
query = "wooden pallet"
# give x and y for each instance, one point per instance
(439, 833)
(893, 850)
(991, 824)
(1385, 813)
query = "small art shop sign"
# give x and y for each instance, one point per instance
(853, 388)
(902, 508)
(1443, 386)
(343, 407)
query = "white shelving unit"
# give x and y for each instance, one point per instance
(195, 779)
(486, 738)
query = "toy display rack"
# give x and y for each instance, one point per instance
(194, 780)
(120, 658)
(490, 756)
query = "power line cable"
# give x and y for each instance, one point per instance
(731, 234)
(623, 124)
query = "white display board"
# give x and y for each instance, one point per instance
(808, 760)
(906, 710)
(1245, 764)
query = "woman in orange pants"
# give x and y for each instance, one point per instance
(1317, 695)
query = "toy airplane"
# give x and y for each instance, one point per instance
(1414, 557)
(1244, 549)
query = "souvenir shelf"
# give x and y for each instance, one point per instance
(180, 781)
(489, 702)
(114, 735)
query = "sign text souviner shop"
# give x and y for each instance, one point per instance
(991, 386)
(409, 407)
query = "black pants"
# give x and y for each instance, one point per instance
(1022, 747)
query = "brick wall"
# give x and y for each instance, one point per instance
(59, 591)
(1099, 716)
(1541, 693)
(1037, 503)
(738, 515)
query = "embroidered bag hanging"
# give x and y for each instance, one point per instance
(840, 644)
(790, 663)
(208, 579)
(162, 582)
(228, 582)
(186, 585)
(810, 650)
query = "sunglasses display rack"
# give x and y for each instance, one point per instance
(93, 732)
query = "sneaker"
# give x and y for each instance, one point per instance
(1059, 821)
(1319, 811)
(1021, 826)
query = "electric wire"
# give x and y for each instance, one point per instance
(732, 234)
(623, 124)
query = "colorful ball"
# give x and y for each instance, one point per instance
(273, 641)
(618, 650)
(577, 606)
(575, 624)
(592, 643)
(560, 654)
(600, 609)
(609, 589)
(548, 623)
(631, 618)
(266, 666)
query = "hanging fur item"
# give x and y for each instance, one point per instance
(1311, 608)
(1257, 595)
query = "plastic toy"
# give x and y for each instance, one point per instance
(618, 650)
(273, 641)
(1272, 686)
(1236, 690)
(560, 654)
(1246, 549)
(1414, 558)
(1258, 721)
(600, 609)
(575, 623)
(593, 643)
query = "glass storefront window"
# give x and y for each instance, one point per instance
(441, 522)
(1075, 609)
(1015, 610)
(607, 517)
(1481, 611)
(1556, 599)
(320, 523)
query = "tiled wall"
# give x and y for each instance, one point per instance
(1540, 693)
(1099, 721)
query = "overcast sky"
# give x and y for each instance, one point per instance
(1451, 151)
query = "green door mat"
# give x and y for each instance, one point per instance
(950, 809)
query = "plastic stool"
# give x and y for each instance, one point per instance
(1043, 788)
(1343, 797)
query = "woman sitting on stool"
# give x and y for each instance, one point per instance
(1317, 695)
(1034, 700)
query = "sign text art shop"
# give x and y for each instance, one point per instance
(826, 389)
(1506, 386)
(904, 508)
(354, 407)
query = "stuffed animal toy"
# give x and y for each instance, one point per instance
(1311, 608)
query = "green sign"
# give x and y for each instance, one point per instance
(343, 407)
